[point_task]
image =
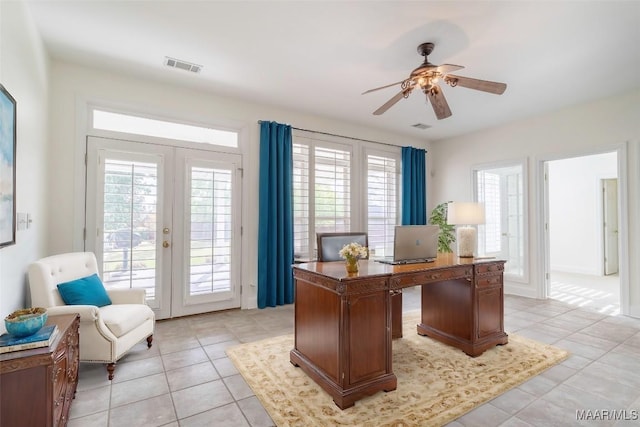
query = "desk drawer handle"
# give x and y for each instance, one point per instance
(436, 275)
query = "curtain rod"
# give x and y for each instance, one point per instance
(341, 136)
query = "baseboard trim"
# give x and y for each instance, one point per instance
(521, 290)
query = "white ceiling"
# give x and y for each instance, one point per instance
(318, 56)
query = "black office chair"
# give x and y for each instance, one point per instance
(329, 244)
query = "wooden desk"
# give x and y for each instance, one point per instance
(343, 324)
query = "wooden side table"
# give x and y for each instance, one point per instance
(37, 386)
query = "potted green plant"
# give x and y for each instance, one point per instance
(447, 231)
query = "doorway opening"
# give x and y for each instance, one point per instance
(582, 196)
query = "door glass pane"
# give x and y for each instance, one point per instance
(161, 128)
(129, 225)
(210, 229)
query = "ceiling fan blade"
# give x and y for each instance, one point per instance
(381, 87)
(483, 85)
(448, 68)
(438, 102)
(392, 101)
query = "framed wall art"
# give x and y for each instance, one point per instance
(7, 168)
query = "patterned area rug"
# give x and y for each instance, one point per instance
(436, 383)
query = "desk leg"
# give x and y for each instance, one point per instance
(460, 314)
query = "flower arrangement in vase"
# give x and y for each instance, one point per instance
(352, 252)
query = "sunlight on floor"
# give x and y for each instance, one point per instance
(600, 293)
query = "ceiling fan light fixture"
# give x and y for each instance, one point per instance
(426, 76)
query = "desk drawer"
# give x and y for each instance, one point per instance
(489, 280)
(430, 276)
(490, 267)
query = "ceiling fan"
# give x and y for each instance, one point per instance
(426, 77)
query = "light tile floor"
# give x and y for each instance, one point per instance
(601, 293)
(185, 379)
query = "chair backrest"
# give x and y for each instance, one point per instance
(46, 273)
(329, 244)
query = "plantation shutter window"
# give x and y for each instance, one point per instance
(332, 190)
(382, 198)
(301, 206)
(330, 197)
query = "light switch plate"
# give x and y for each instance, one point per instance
(22, 220)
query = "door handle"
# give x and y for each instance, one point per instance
(165, 243)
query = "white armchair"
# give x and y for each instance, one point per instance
(106, 333)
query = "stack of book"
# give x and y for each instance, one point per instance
(43, 338)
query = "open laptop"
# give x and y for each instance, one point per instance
(413, 244)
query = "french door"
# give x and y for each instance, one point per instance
(165, 219)
(502, 189)
(610, 225)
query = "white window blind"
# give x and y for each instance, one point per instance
(489, 194)
(301, 207)
(332, 191)
(515, 223)
(325, 187)
(382, 198)
(129, 224)
(210, 229)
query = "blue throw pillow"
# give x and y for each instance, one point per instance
(86, 291)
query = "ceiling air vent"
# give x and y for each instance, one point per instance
(421, 126)
(183, 65)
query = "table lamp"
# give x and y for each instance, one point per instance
(465, 215)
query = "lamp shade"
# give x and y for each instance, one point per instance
(465, 213)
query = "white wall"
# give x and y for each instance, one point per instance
(73, 86)
(575, 212)
(24, 73)
(590, 128)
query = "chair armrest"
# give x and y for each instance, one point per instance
(127, 296)
(88, 313)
